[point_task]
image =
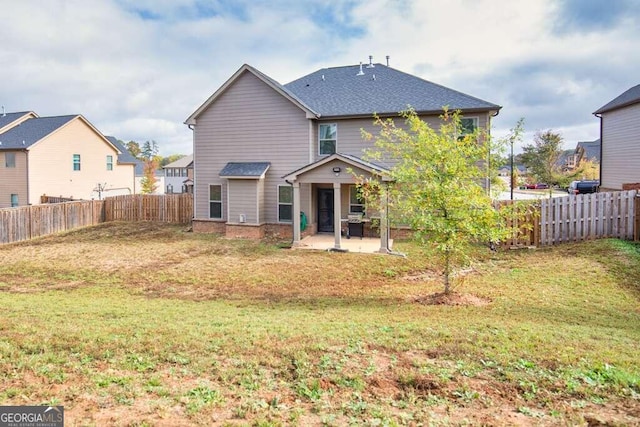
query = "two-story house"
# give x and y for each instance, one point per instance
(178, 176)
(620, 141)
(57, 156)
(270, 157)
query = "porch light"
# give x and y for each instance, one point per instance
(336, 170)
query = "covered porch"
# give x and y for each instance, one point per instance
(326, 242)
(323, 193)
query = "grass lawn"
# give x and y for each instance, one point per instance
(146, 324)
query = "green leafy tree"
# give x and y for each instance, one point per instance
(134, 148)
(542, 159)
(437, 185)
(149, 153)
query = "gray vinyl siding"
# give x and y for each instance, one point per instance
(621, 147)
(249, 122)
(260, 194)
(350, 141)
(243, 200)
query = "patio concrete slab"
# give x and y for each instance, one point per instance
(325, 242)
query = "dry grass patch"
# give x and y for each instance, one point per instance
(147, 324)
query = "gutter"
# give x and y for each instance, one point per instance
(599, 115)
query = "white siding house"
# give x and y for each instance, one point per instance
(620, 141)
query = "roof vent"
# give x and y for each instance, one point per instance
(323, 77)
(371, 62)
(360, 73)
(3, 113)
(23, 142)
(373, 77)
(387, 60)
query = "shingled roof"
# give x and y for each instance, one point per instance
(31, 131)
(125, 156)
(629, 97)
(343, 91)
(11, 117)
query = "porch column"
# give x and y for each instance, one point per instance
(384, 224)
(337, 214)
(296, 213)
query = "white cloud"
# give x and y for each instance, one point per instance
(139, 77)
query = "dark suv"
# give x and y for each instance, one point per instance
(585, 187)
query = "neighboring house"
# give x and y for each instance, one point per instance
(269, 156)
(57, 156)
(178, 176)
(620, 136)
(584, 151)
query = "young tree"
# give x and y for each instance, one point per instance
(542, 158)
(149, 153)
(437, 185)
(589, 169)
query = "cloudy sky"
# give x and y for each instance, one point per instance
(138, 69)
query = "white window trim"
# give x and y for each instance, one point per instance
(327, 124)
(288, 204)
(364, 207)
(73, 162)
(476, 123)
(109, 162)
(219, 201)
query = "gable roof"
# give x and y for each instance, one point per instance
(349, 159)
(591, 149)
(31, 131)
(191, 120)
(342, 91)
(629, 97)
(250, 170)
(8, 118)
(183, 162)
(124, 156)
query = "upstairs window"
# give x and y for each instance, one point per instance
(109, 163)
(76, 162)
(356, 202)
(10, 160)
(14, 200)
(468, 125)
(215, 201)
(285, 203)
(328, 138)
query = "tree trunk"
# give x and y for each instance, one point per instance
(447, 272)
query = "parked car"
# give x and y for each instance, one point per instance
(572, 187)
(538, 186)
(586, 187)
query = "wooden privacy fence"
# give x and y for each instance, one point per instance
(175, 208)
(27, 222)
(588, 216)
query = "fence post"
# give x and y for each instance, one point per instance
(636, 222)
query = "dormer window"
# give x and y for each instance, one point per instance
(327, 139)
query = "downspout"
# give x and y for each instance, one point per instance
(601, 149)
(293, 225)
(194, 172)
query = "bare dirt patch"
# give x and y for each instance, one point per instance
(453, 298)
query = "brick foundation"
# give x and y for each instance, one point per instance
(631, 186)
(203, 226)
(244, 231)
